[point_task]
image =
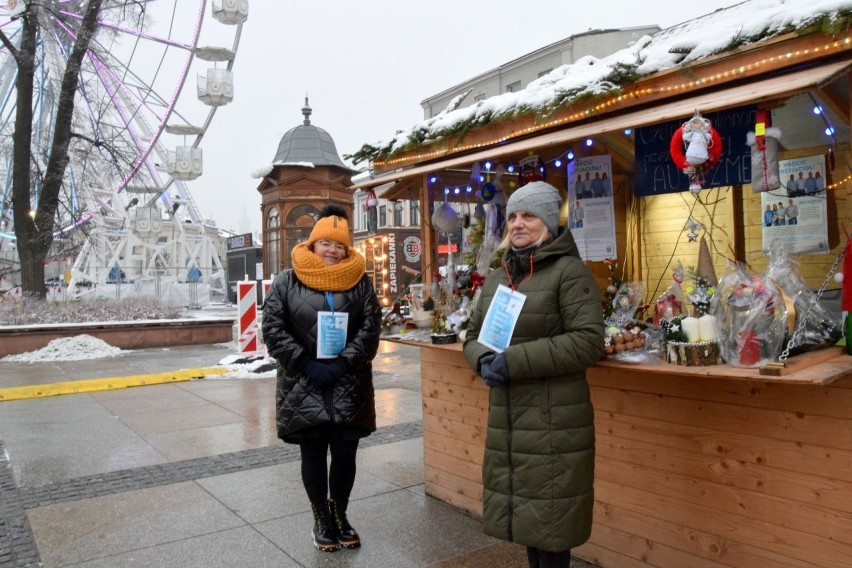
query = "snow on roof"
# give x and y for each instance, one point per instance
(684, 43)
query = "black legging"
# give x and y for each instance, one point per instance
(321, 481)
(542, 559)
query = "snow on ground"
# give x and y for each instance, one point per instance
(84, 347)
(76, 348)
(247, 367)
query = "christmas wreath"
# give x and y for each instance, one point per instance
(695, 148)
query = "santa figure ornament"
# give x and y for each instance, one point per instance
(765, 175)
(695, 148)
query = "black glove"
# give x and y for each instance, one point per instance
(494, 369)
(325, 372)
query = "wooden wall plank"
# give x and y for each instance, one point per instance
(471, 396)
(820, 400)
(777, 424)
(453, 464)
(782, 457)
(473, 453)
(774, 538)
(454, 411)
(706, 546)
(442, 425)
(463, 490)
(662, 474)
(647, 552)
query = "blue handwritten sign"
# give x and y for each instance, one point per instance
(655, 172)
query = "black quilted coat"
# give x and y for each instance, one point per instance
(289, 332)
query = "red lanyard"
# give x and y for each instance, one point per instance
(509, 276)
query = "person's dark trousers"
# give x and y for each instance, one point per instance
(318, 480)
(543, 559)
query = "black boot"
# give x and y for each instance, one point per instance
(325, 531)
(347, 536)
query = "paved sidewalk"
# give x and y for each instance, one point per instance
(190, 474)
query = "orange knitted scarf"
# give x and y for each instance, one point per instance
(313, 273)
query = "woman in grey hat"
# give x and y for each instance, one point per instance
(540, 445)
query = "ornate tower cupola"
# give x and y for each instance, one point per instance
(306, 174)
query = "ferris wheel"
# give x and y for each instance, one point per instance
(126, 215)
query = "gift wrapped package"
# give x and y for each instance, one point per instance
(752, 318)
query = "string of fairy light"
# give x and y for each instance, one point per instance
(490, 169)
(631, 96)
(379, 254)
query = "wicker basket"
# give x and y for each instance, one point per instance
(693, 354)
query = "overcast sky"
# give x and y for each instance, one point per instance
(367, 65)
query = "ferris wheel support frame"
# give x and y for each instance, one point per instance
(188, 242)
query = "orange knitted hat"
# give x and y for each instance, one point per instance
(332, 225)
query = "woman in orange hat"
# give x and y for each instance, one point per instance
(321, 323)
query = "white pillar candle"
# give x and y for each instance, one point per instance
(707, 327)
(690, 328)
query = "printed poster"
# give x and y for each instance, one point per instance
(796, 213)
(591, 213)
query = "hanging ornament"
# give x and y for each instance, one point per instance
(693, 226)
(370, 204)
(703, 149)
(475, 172)
(488, 191)
(531, 169)
(371, 200)
(445, 217)
(765, 175)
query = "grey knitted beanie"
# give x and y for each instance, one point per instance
(540, 199)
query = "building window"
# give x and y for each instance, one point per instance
(383, 216)
(272, 246)
(298, 227)
(359, 213)
(413, 217)
(545, 72)
(513, 87)
(480, 97)
(397, 213)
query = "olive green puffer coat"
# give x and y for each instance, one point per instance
(540, 446)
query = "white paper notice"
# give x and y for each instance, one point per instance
(500, 320)
(331, 333)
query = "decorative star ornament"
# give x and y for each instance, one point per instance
(692, 235)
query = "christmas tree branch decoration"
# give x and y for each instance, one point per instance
(699, 291)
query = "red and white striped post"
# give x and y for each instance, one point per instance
(247, 322)
(267, 284)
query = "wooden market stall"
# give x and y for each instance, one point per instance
(696, 466)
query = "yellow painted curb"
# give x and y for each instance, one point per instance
(92, 385)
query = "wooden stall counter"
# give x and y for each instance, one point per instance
(695, 466)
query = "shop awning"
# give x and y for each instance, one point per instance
(772, 88)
